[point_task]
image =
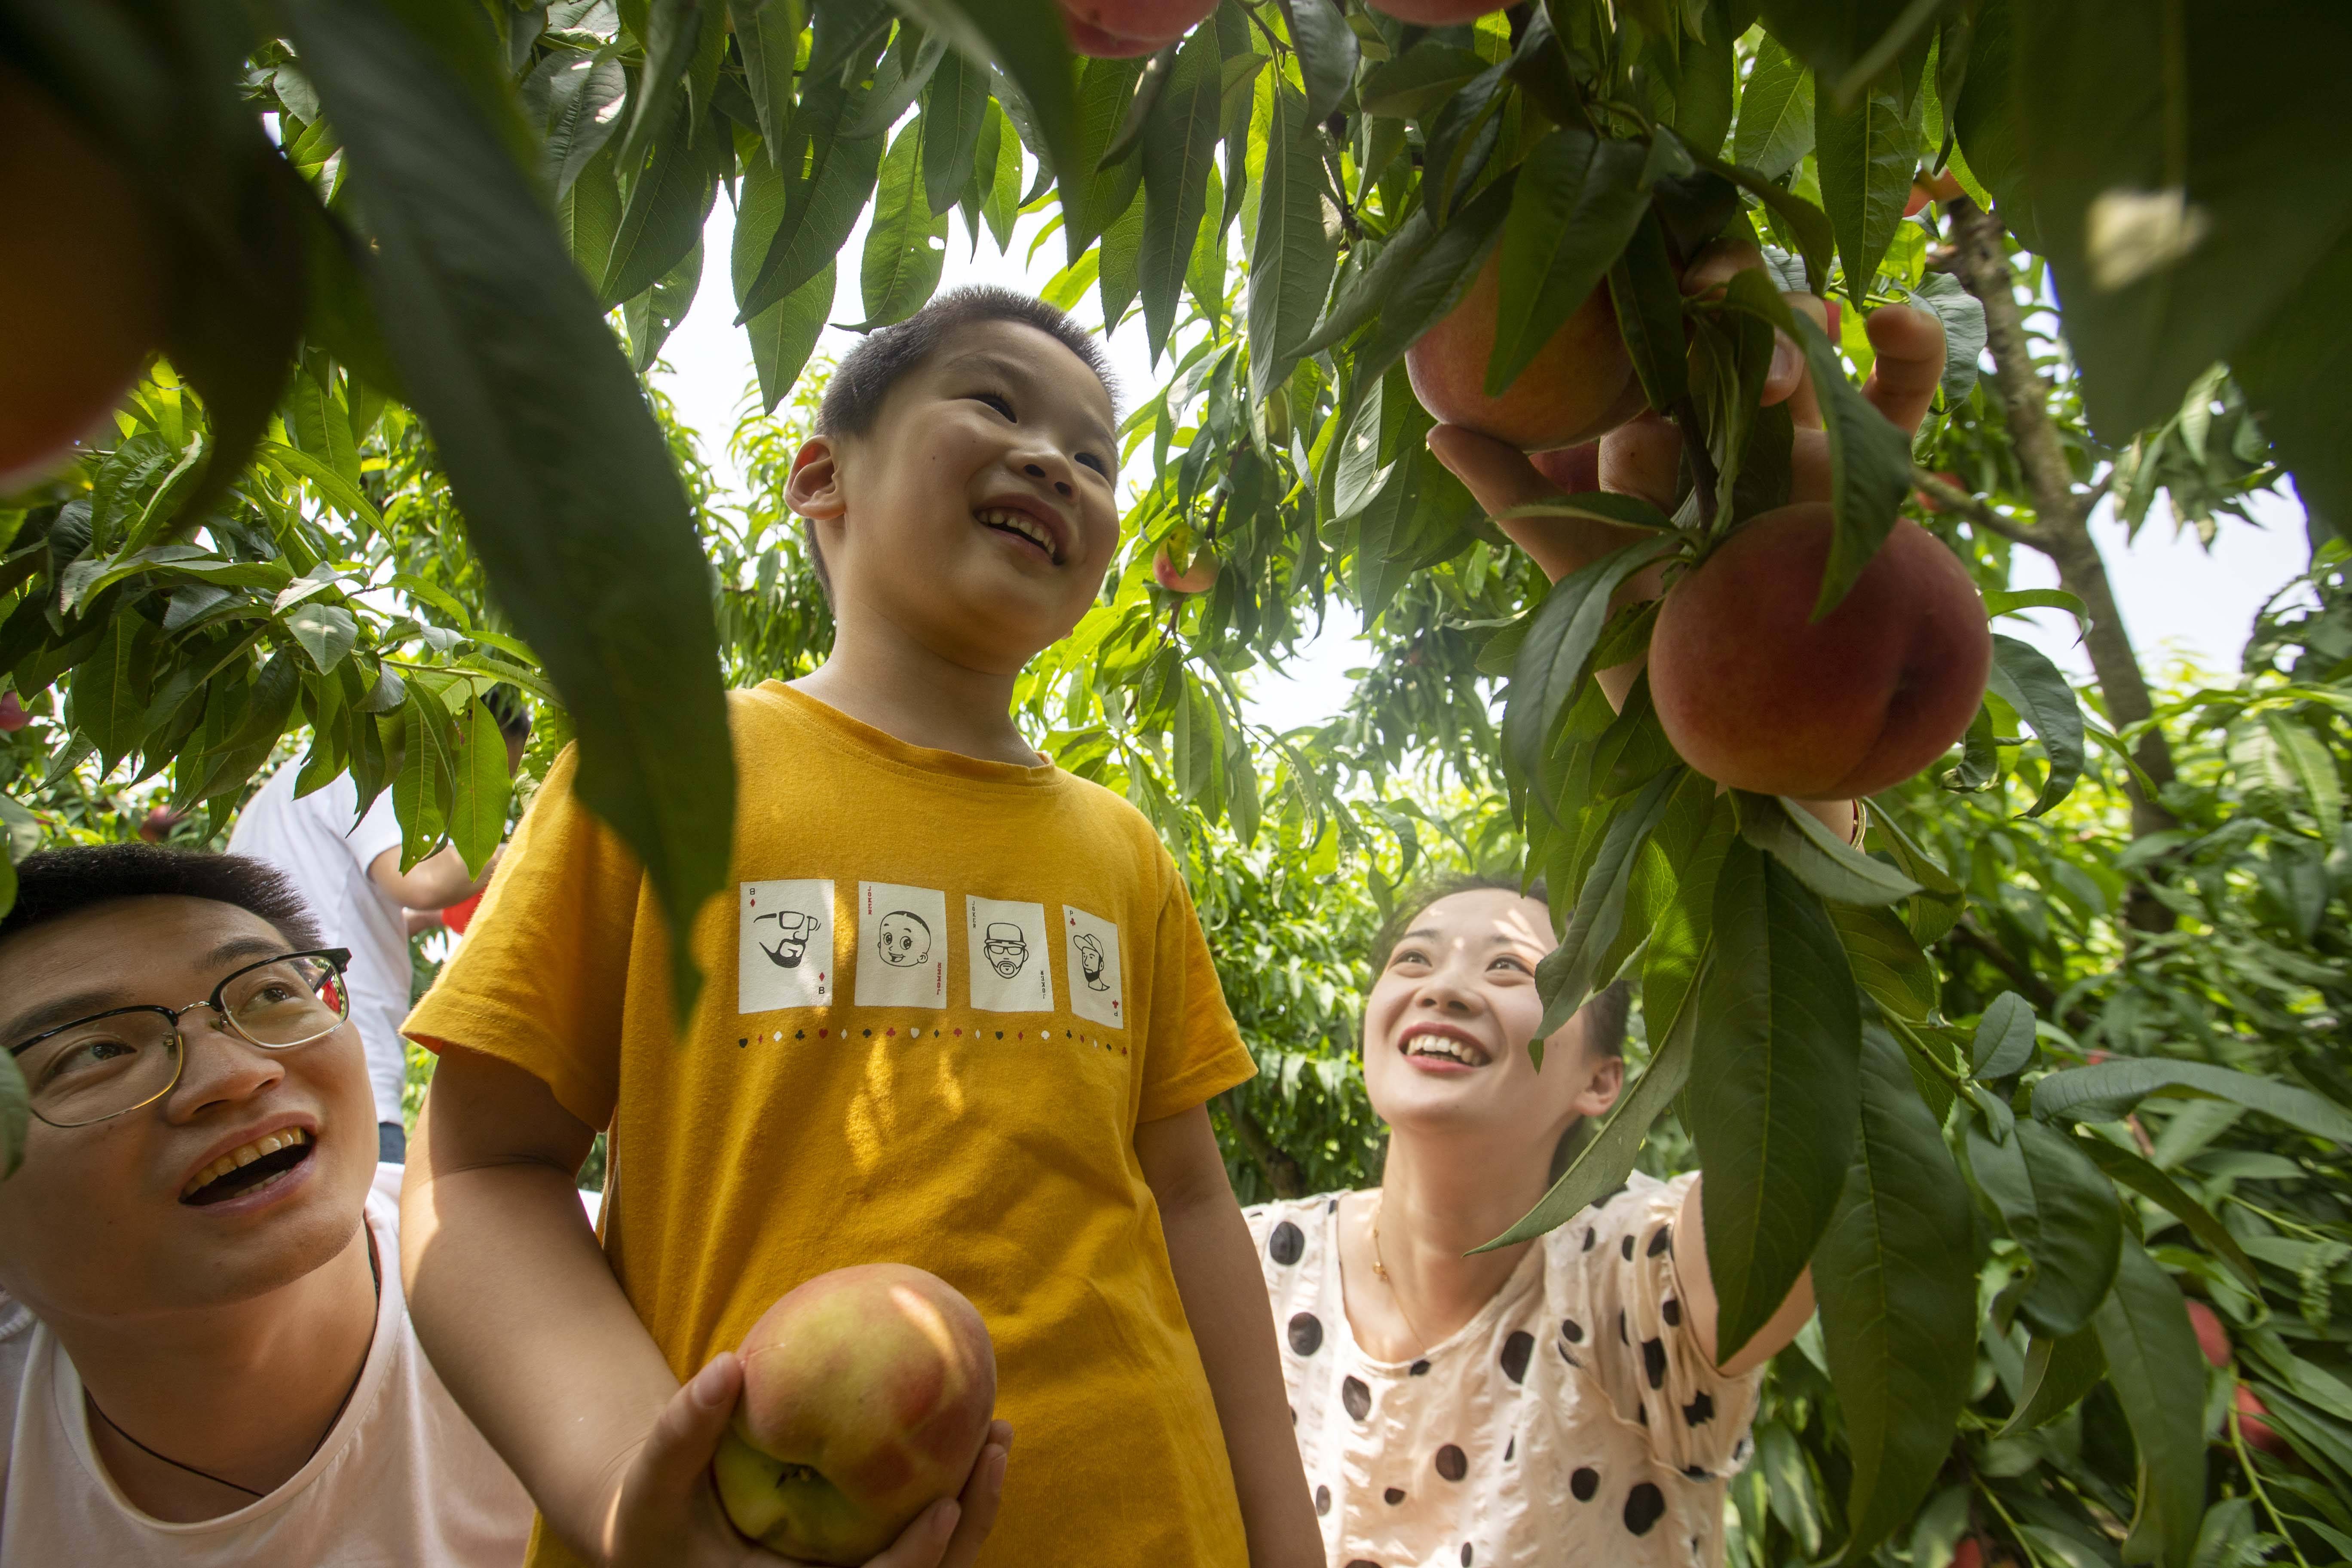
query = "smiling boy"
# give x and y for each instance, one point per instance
(878, 1087)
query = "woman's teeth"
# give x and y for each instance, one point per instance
(1027, 526)
(237, 1159)
(1445, 1049)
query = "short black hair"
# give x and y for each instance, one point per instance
(53, 883)
(507, 707)
(1604, 1015)
(854, 397)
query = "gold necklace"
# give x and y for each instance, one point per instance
(1381, 1267)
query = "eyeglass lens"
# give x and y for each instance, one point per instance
(113, 1064)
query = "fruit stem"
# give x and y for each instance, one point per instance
(1703, 476)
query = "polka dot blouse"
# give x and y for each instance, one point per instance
(1572, 1420)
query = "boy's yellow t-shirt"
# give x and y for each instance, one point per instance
(945, 993)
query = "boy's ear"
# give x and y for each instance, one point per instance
(814, 489)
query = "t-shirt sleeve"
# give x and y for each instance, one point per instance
(1645, 1352)
(1194, 1049)
(377, 832)
(540, 980)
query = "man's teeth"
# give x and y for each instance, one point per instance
(1451, 1050)
(1021, 523)
(267, 1143)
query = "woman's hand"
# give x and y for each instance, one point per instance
(668, 1510)
(1642, 456)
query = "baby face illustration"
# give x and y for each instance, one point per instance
(905, 939)
(1005, 949)
(792, 930)
(1090, 958)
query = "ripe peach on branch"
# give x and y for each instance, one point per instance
(1579, 385)
(1120, 29)
(1757, 695)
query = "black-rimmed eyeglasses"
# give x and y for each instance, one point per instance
(118, 1060)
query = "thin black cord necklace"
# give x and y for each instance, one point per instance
(375, 1268)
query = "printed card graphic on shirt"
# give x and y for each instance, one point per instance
(902, 946)
(784, 944)
(1012, 957)
(1095, 988)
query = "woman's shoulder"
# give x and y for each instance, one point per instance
(1636, 1215)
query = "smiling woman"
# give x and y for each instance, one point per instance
(1554, 1400)
(230, 1377)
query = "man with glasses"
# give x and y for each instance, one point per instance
(207, 1358)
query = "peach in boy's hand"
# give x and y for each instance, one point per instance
(866, 1394)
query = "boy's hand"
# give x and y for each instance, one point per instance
(1642, 456)
(667, 1511)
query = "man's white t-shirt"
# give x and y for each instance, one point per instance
(403, 1477)
(313, 841)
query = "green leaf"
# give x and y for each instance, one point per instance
(1647, 292)
(1291, 260)
(1179, 150)
(1870, 466)
(2003, 1044)
(554, 461)
(829, 179)
(333, 488)
(1328, 51)
(1774, 1092)
(1093, 199)
(1868, 153)
(2293, 370)
(654, 314)
(579, 99)
(2058, 1372)
(1417, 83)
(1831, 36)
(2314, 771)
(2023, 677)
(2180, 176)
(1553, 659)
(2107, 1091)
(1026, 39)
(905, 71)
(673, 29)
(1122, 253)
(662, 221)
(1818, 858)
(2001, 602)
(327, 632)
(2158, 1376)
(1897, 1292)
(768, 33)
(785, 333)
(955, 107)
(1602, 1165)
(421, 790)
(112, 687)
(1699, 829)
(905, 248)
(1566, 978)
(2060, 1210)
(320, 426)
(1573, 208)
(1963, 317)
(1420, 275)
(1776, 113)
(1000, 206)
(2150, 1183)
(477, 815)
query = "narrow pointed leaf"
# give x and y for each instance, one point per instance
(2023, 677)
(2060, 1210)
(2004, 1037)
(2158, 1376)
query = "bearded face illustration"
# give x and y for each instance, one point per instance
(1005, 949)
(794, 931)
(905, 939)
(1090, 958)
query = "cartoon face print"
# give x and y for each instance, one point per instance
(784, 953)
(792, 932)
(1005, 949)
(904, 940)
(1090, 958)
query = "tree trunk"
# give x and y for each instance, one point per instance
(2061, 528)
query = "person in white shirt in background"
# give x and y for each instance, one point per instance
(205, 1357)
(346, 867)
